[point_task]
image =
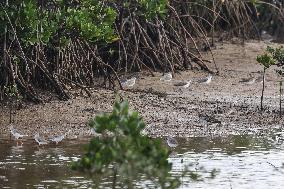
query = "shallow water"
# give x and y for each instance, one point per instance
(237, 162)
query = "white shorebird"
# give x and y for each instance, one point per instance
(206, 80)
(93, 131)
(129, 82)
(172, 142)
(39, 140)
(16, 133)
(183, 84)
(58, 138)
(167, 77)
(265, 36)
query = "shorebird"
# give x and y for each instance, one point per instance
(39, 140)
(128, 82)
(265, 36)
(279, 136)
(183, 84)
(206, 80)
(167, 77)
(94, 131)
(172, 142)
(16, 133)
(58, 138)
(248, 81)
(259, 79)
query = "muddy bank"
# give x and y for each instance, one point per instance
(225, 106)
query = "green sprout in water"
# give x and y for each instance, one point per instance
(123, 151)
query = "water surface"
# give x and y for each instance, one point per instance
(249, 161)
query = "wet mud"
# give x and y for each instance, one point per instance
(229, 105)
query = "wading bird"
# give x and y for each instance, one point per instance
(58, 138)
(172, 142)
(93, 131)
(206, 80)
(128, 82)
(166, 77)
(39, 140)
(259, 79)
(16, 134)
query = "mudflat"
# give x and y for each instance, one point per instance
(229, 104)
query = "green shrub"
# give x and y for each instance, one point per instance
(59, 20)
(272, 56)
(125, 152)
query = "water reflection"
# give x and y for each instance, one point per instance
(241, 161)
(250, 161)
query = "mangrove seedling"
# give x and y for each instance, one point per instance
(272, 56)
(11, 92)
(266, 60)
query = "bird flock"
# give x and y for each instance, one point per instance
(167, 77)
(172, 142)
(37, 138)
(128, 83)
